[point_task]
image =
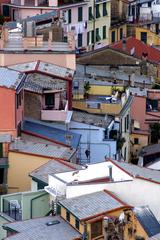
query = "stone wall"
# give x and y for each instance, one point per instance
(32, 105)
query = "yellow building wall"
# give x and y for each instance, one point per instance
(143, 141)
(102, 21)
(136, 229)
(103, 90)
(20, 165)
(104, 108)
(152, 38)
(117, 32)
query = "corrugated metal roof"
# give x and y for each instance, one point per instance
(52, 167)
(10, 78)
(54, 134)
(47, 150)
(36, 229)
(147, 220)
(136, 171)
(91, 204)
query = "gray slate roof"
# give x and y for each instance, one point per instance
(88, 205)
(36, 229)
(93, 119)
(149, 150)
(47, 150)
(53, 167)
(136, 171)
(147, 220)
(10, 78)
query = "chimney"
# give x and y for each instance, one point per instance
(110, 173)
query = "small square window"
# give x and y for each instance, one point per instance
(67, 216)
(136, 141)
(77, 223)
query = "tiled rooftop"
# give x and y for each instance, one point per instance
(36, 229)
(140, 48)
(47, 150)
(52, 167)
(36, 82)
(47, 131)
(10, 78)
(89, 205)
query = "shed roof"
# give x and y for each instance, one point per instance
(53, 167)
(36, 229)
(91, 205)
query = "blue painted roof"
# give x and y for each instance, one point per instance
(48, 131)
(147, 220)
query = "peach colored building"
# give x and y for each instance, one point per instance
(73, 14)
(32, 48)
(145, 110)
(11, 101)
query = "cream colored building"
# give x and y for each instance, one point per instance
(99, 19)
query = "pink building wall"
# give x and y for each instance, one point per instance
(10, 116)
(7, 110)
(63, 60)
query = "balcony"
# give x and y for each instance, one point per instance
(51, 114)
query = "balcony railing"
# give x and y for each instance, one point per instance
(54, 114)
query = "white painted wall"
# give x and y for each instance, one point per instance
(95, 135)
(57, 184)
(138, 193)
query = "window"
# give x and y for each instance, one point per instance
(67, 216)
(97, 11)
(144, 37)
(104, 9)
(88, 38)
(80, 14)
(69, 16)
(58, 209)
(1, 150)
(6, 11)
(136, 141)
(96, 229)
(49, 100)
(80, 39)
(113, 36)
(127, 122)
(1, 175)
(98, 38)
(90, 14)
(77, 223)
(104, 32)
(121, 33)
(92, 36)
